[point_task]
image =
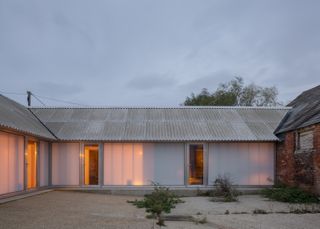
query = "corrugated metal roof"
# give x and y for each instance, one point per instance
(163, 124)
(305, 111)
(17, 117)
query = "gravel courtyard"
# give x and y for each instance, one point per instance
(59, 209)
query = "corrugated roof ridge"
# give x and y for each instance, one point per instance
(173, 107)
(22, 130)
(53, 135)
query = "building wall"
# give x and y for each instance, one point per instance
(299, 169)
(316, 159)
(44, 163)
(11, 163)
(142, 163)
(65, 163)
(244, 163)
(134, 164)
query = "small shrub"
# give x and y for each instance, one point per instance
(289, 194)
(224, 189)
(160, 201)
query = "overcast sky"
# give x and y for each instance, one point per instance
(131, 53)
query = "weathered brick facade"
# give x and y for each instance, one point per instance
(299, 169)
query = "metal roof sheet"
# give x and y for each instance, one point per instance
(17, 117)
(163, 124)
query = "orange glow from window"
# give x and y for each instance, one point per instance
(31, 159)
(91, 165)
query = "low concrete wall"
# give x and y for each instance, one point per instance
(141, 191)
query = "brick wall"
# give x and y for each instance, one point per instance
(317, 158)
(299, 169)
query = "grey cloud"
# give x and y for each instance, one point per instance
(151, 81)
(210, 81)
(58, 89)
(108, 46)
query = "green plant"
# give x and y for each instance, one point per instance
(289, 194)
(160, 201)
(224, 189)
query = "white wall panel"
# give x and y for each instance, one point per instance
(11, 163)
(107, 164)
(245, 163)
(65, 163)
(4, 163)
(44, 163)
(141, 163)
(169, 164)
(16, 163)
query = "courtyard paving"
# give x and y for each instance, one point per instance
(60, 209)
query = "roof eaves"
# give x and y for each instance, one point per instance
(15, 129)
(167, 107)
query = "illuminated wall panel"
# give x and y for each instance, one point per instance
(65, 163)
(11, 163)
(141, 163)
(245, 163)
(44, 163)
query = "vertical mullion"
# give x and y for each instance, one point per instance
(101, 164)
(37, 143)
(81, 160)
(26, 139)
(186, 167)
(49, 164)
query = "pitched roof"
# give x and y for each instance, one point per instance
(17, 117)
(305, 111)
(163, 124)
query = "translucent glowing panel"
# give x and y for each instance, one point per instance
(91, 165)
(11, 163)
(44, 163)
(123, 164)
(65, 163)
(142, 163)
(245, 163)
(31, 163)
(195, 164)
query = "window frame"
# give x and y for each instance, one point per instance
(298, 133)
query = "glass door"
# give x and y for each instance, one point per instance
(31, 163)
(91, 165)
(196, 164)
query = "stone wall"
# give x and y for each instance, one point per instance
(299, 169)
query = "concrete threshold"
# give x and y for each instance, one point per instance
(140, 191)
(24, 195)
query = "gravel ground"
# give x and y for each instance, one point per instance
(87, 210)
